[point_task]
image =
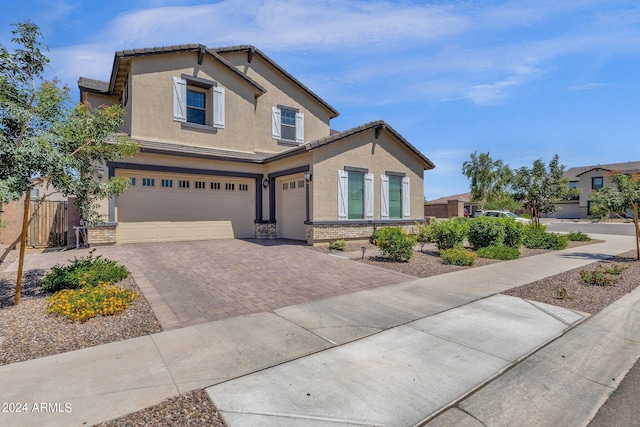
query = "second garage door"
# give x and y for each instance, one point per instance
(291, 208)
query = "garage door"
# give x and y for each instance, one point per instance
(173, 207)
(291, 208)
(567, 210)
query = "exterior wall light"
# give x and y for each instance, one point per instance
(265, 183)
(307, 176)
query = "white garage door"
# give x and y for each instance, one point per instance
(172, 207)
(291, 208)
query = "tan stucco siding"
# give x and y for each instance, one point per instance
(194, 163)
(280, 91)
(585, 184)
(152, 112)
(364, 151)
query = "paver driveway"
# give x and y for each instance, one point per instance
(189, 283)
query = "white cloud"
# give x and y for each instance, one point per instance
(439, 52)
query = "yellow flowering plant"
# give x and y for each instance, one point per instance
(85, 303)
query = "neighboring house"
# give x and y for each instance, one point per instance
(451, 206)
(588, 179)
(234, 146)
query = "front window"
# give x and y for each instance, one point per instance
(196, 107)
(395, 197)
(356, 195)
(597, 183)
(288, 124)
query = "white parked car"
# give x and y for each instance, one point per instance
(505, 214)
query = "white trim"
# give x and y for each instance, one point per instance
(276, 132)
(368, 196)
(343, 194)
(218, 107)
(384, 197)
(179, 99)
(300, 128)
(406, 198)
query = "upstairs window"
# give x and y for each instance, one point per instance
(196, 107)
(597, 183)
(287, 125)
(198, 101)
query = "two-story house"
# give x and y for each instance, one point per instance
(589, 179)
(233, 146)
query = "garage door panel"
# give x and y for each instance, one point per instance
(154, 214)
(292, 211)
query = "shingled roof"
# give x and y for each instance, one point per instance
(93, 85)
(378, 125)
(574, 173)
(217, 53)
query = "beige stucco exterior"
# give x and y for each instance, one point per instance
(581, 177)
(280, 91)
(377, 156)
(277, 188)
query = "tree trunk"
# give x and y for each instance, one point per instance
(635, 222)
(23, 243)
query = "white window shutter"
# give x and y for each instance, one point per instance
(179, 99)
(368, 196)
(384, 197)
(275, 123)
(299, 128)
(343, 190)
(218, 107)
(406, 199)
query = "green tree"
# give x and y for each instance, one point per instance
(539, 188)
(617, 200)
(45, 140)
(503, 201)
(488, 177)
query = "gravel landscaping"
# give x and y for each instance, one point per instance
(28, 332)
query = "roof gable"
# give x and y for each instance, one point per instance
(378, 126)
(252, 51)
(118, 71)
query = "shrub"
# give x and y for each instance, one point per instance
(600, 276)
(615, 269)
(498, 252)
(578, 236)
(83, 304)
(538, 239)
(513, 232)
(486, 231)
(458, 256)
(84, 271)
(423, 234)
(395, 244)
(338, 245)
(449, 234)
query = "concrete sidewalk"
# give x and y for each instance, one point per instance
(397, 355)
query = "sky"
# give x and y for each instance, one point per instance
(522, 80)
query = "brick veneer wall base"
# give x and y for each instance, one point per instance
(327, 232)
(102, 234)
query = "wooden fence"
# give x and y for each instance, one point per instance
(48, 227)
